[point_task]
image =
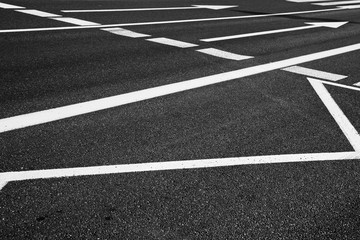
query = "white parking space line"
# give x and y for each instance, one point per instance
(348, 129)
(314, 73)
(125, 33)
(172, 165)
(349, 7)
(223, 54)
(341, 85)
(167, 22)
(246, 35)
(337, 3)
(38, 13)
(307, 1)
(9, 6)
(172, 42)
(50, 115)
(76, 21)
(193, 7)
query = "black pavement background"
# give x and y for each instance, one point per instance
(266, 114)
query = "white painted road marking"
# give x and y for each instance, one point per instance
(223, 54)
(350, 7)
(38, 13)
(172, 165)
(9, 6)
(50, 115)
(357, 84)
(167, 22)
(314, 73)
(341, 85)
(172, 42)
(348, 129)
(125, 32)
(75, 21)
(337, 3)
(212, 7)
(307, 1)
(246, 35)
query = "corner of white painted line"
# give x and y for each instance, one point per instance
(3, 184)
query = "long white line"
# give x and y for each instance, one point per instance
(172, 165)
(307, 1)
(341, 85)
(315, 73)
(348, 129)
(193, 7)
(165, 22)
(31, 119)
(337, 3)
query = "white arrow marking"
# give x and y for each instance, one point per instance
(212, 7)
(312, 25)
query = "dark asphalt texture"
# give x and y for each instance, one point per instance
(266, 114)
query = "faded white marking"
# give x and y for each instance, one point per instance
(223, 54)
(172, 42)
(212, 7)
(125, 33)
(38, 13)
(76, 21)
(9, 6)
(174, 165)
(337, 3)
(50, 115)
(315, 73)
(166, 22)
(348, 129)
(246, 35)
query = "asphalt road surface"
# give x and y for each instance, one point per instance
(192, 119)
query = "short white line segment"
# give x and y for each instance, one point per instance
(9, 6)
(223, 54)
(45, 116)
(172, 42)
(341, 85)
(38, 13)
(348, 129)
(172, 165)
(246, 35)
(125, 32)
(76, 21)
(314, 73)
(357, 84)
(212, 7)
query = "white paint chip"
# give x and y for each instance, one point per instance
(75, 21)
(38, 13)
(315, 73)
(223, 54)
(172, 42)
(125, 32)
(9, 6)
